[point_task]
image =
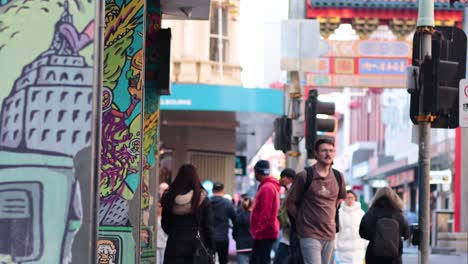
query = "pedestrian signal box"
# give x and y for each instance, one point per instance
(319, 119)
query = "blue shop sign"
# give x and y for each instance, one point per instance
(203, 97)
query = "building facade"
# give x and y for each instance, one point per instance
(383, 142)
(207, 51)
(210, 118)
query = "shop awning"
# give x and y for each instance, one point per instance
(251, 111)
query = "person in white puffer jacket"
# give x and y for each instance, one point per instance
(350, 247)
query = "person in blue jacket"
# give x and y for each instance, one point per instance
(223, 211)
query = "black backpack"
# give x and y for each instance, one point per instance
(310, 175)
(386, 237)
(295, 254)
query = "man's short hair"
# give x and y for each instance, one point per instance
(288, 173)
(218, 187)
(323, 141)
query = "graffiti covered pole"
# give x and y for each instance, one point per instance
(96, 123)
(425, 26)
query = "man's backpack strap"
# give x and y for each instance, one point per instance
(310, 175)
(339, 180)
(337, 213)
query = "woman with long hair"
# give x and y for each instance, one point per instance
(350, 247)
(384, 225)
(241, 231)
(186, 211)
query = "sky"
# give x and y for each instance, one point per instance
(260, 41)
(260, 23)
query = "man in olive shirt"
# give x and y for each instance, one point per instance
(314, 214)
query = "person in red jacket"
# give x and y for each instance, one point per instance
(264, 224)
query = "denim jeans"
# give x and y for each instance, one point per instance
(317, 251)
(282, 254)
(243, 258)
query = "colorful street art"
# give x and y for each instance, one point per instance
(150, 139)
(111, 247)
(121, 118)
(121, 150)
(45, 120)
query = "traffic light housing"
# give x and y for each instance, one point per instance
(316, 127)
(439, 76)
(283, 133)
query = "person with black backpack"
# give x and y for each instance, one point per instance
(312, 206)
(384, 225)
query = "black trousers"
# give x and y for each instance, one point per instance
(222, 248)
(261, 251)
(295, 254)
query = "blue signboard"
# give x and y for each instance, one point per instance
(241, 166)
(383, 66)
(203, 97)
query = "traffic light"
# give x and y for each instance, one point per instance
(439, 76)
(317, 127)
(283, 133)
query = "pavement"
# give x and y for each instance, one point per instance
(410, 256)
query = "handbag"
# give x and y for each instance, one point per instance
(202, 255)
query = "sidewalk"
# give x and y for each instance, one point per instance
(410, 256)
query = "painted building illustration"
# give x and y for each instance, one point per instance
(63, 134)
(45, 121)
(56, 78)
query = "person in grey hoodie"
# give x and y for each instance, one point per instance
(223, 210)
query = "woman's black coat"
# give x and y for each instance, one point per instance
(367, 230)
(181, 228)
(241, 230)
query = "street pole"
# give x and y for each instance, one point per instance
(295, 96)
(425, 25)
(296, 11)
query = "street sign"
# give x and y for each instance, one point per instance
(441, 177)
(300, 40)
(241, 166)
(463, 98)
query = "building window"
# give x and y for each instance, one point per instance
(215, 49)
(219, 34)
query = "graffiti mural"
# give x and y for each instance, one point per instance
(111, 247)
(150, 137)
(107, 251)
(45, 119)
(122, 116)
(121, 119)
